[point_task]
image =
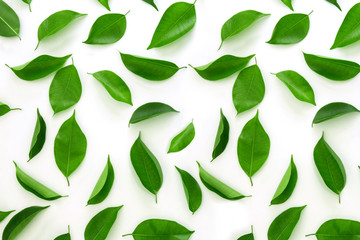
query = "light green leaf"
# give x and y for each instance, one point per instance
(183, 139)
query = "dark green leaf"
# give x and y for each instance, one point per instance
(183, 139)
(69, 147)
(146, 166)
(65, 89)
(4, 109)
(222, 67)
(333, 110)
(249, 89)
(192, 190)
(107, 29)
(19, 221)
(334, 2)
(253, 147)
(39, 136)
(100, 225)
(249, 236)
(105, 3)
(148, 68)
(150, 110)
(222, 136)
(283, 225)
(331, 68)
(39, 67)
(339, 229)
(3, 215)
(103, 185)
(151, 2)
(288, 3)
(9, 21)
(177, 20)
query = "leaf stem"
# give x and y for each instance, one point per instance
(67, 180)
(128, 234)
(37, 45)
(15, 109)
(252, 184)
(310, 12)
(220, 45)
(312, 234)
(29, 7)
(127, 13)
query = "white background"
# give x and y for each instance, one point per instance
(105, 121)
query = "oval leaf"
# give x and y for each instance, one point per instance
(290, 29)
(218, 187)
(249, 89)
(192, 190)
(151, 2)
(222, 67)
(4, 109)
(334, 2)
(339, 229)
(253, 147)
(9, 21)
(331, 68)
(107, 29)
(3, 215)
(333, 110)
(183, 139)
(100, 225)
(177, 20)
(69, 147)
(39, 67)
(105, 3)
(146, 166)
(148, 68)
(19, 221)
(330, 167)
(288, 3)
(283, 225)
(103, 185)
(39, 136)
(222, 136)
(150, 110)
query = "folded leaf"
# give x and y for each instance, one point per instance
(9, 21)
(3, 215)
(288, 3)
(4, 109)
(183, 139)
(222, 136)
(151, 2)
(150, 110)
(105, 3)
(333, 110)
(39, 136)
(339, 229)
(176, 21)
(334, 2)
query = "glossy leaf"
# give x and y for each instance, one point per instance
(65, 236)
(339, 229)
(39, 67)
(183, 139)
(146, 166)
(291, 29)
(39, 136)
(284, 224)
(222, 67)
(176, 21)
(218, 187)
(33, 186)
(249, 89)
(298, 86)
(288, 3)
(20, 221)
(3, 215)
(105, 3)
(334, 2)
(56, 22)
(150, 110)
(253, 147)
(331, 68)
(330, 167)
(287, 185)
(100, 225)
(103, 185)
(9, 21)
(349, 31)
(249, 236)
(4, 109)
(192, 190)
(28, 2)
(222, 136)
(148, 68)
(107, 29)
(239, 22)
(151, 2)
(333, 110)
(160, 229)
(69, 147)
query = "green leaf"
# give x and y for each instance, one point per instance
(107, 29)
(192, 190)
(150, 110)
(176, 21)
(287, 184)
(4, 109)
(288, 3)
(19, 221)
(249, 89)
(69, 147)
(331, 68)
(333, 110)
(105, 3)
(218, 187)
(39, 136)
(146, 166)
(283, 225)
(33, 186)
(291, 29)
(3, 215)
(148, 68)
(100, 225)
(65, 89)
(65, 236)
(9, 21)
(222, 136)
(152, 229)
(39, 67)
(249, 236)
(114, 85)
(298, 86)
(334, 2)
(183, 139)
(330, 167)
(151, 2)
(56, 22)
(28, 2)
(103, 185)
(238, 23)
(253, 147)
(222, 67)
(349, 31)
(339, 229)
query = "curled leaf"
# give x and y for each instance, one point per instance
(222, 136)
(4, 109)
(183, 139)
(150, 110)
(333, 110)
(339, 229)
(39, 136)
(9, 21)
